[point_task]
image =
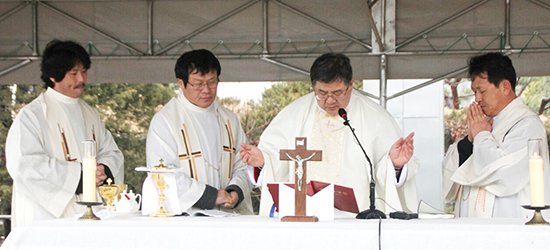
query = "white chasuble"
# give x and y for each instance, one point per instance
(494, 180)
(202, 143)
(44, 156)
(376, 130)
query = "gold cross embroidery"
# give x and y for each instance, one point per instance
(189, 155)
(231, 148)
(328, 123)
(65, 146)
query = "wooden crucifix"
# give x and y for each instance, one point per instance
(300, 156)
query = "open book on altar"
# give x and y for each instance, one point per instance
(321, 199)
(208, 213)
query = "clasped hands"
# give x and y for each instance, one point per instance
(477, 121)
(227, 199)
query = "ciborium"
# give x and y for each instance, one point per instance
(161, 184)
(109, 192)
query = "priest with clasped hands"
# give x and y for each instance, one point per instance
(315, 116)
(200, 138)
(486, 174)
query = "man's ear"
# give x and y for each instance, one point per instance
(180, 82)
(53, 80)
(506, 86)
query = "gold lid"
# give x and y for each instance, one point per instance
(109, 181)
(160, 166)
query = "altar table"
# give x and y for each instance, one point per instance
(134, 231)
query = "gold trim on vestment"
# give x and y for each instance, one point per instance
(64, 145)
(231, 148)
(190, 155)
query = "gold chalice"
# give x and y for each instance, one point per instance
(158, 179)
(109, 192)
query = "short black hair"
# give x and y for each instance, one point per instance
(331, 67)
(497, 66)
(60, 57)
(194, 61)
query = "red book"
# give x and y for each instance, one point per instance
(344, 198)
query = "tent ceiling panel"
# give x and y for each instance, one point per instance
(433, 37)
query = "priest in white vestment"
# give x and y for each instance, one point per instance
(196, 134)
(486, 174)
(315, 116)
(44, 144)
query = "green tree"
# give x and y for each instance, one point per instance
(537, 89)
(272, 102)
(5, 123)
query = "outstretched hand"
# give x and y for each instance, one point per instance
(401, 151)
(251, 155)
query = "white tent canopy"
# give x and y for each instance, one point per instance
(138, 41)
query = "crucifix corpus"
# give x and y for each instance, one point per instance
(300, 156)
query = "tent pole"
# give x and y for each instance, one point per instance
(383, 81)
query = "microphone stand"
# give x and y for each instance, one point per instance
(372, 212)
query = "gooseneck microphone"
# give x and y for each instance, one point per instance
(344, 115)
(370, 213)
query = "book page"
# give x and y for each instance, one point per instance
(209, 213)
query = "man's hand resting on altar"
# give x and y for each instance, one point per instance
(251, 155)
(401, 151)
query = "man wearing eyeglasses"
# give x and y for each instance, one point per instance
(315, 116)
(199, 138)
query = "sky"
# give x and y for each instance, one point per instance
(244, 91)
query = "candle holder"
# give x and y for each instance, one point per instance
(537, 217)
(89, 214)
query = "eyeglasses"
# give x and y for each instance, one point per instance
(324, 95)
(200, 86)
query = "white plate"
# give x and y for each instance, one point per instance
(152, 170)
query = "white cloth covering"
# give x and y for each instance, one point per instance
(494, 181)
(204, 143)
(376, 130)
(45, 176)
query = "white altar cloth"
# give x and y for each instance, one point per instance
(134, 231)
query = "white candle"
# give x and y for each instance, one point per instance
(89, 168)
(537, 181)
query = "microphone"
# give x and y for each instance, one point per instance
(370, 213)
(342, 112)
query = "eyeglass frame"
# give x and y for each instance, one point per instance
(202, 85)
(328, 95)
